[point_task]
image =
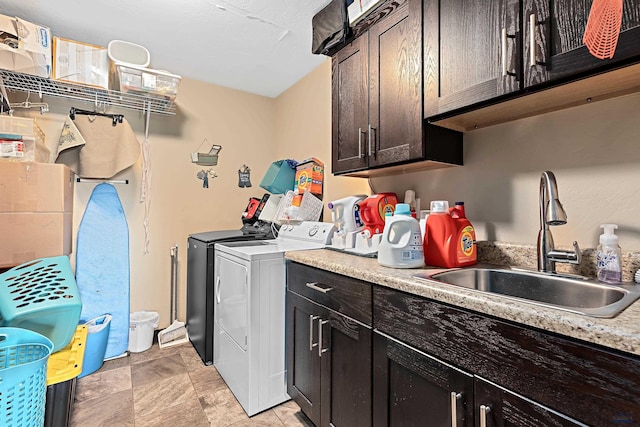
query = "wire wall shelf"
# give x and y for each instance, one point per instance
(99, 97)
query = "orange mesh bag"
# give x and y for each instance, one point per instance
(603, 28)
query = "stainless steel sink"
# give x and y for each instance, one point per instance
(570, 293)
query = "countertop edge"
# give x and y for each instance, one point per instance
(620, 333)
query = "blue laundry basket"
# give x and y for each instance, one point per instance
(23, 377)
(42, 296)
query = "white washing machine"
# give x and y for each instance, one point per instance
(249, 313)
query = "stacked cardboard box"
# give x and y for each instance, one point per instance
(36, 211)
(25, 47)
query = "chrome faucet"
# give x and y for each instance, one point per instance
(552, 213)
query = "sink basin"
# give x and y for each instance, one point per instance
(570, 293)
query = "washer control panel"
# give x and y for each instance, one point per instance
(308, 231)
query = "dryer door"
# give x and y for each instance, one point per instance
(232, 299)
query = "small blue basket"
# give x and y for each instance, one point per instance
(280, 178)
(96, 347)
(23, 377)
(42, 296)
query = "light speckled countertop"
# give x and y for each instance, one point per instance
(621, 333)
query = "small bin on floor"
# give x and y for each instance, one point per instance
(96, 344)
(141, 327)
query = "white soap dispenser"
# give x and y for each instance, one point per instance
(609, 265)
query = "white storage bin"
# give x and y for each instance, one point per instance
(145, 81)
(127, 53)
(141, 327)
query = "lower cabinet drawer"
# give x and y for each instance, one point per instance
(345, 295)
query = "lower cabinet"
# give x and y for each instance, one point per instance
(363, 355)
(328, 359)
(523, 377)
(411, 388)
(497, 407)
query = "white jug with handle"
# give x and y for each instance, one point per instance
(401, 243)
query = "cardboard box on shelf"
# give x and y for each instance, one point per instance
(80, 63)
(309, 176)
(25, 47)
(31, 235)
(35, 187)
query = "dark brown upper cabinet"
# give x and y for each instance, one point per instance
(470, 52)
(552, 39)
(488, 62)
(377, 100)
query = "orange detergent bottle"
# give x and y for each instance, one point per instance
(449, 238)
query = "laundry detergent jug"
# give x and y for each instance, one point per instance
(449, 238)
(401, 243)
(345, 213)
(373, 210)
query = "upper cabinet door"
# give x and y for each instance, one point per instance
(552, 39)
(350, 106)
(471, 52)
(395, 89)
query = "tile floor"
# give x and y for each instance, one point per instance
(167, 387)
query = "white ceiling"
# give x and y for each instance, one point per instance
(257, 46)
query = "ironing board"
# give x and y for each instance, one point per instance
(102, 265)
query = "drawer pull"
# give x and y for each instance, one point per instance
(312, 318)
(484, 410)
(318, 287)
(454, 408)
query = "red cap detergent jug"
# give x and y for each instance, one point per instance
(373, 210)
(449, 238)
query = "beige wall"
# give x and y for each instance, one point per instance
(303, 130)
(593, 151)
(244, 124)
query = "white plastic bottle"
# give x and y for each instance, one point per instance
(609, 265)
(401, 242)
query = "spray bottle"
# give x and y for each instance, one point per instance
(608, 256)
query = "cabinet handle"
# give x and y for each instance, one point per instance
(484, 410)
(317, 287)
(218, 289)
(371, 139)
(532, 40)
(321, 350)
(454, 408)
(360, 132)
(503, 48)
(312, 319)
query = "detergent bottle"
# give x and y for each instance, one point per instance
(373, 210)
(345, 213)
(449, 238)
(401, 243)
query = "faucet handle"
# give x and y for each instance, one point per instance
(574, 257)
